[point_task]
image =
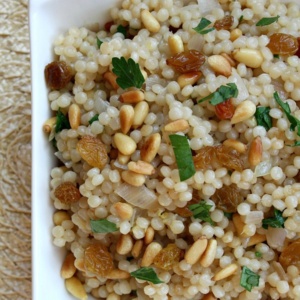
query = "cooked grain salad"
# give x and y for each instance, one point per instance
(177, 131)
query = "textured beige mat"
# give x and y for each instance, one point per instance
(15, 148)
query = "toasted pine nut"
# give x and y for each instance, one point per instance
(220, 65)
(141, 167)
(133, 178)
(252, 58)
(137, 248)
(238, 224)
(126, 118)
(125, 144)
(111, 78)
(151, 251)
(149, 235)
(237, 145)
(68, 268)
(140, 113)
(255, 152)
(79, 264)
(124, 244)
(197, 249)
(149, 21)
(117, 274)
(226, 272)
(209, 296)
(123, 159)
(235, 33)
(49, 124)
(132, 97)
(209, 255)
(256, 239)
(150, 147)
(123, 210)
(229, 59)
(175, 44)
(74, 116)
(244, 111)
(60, 216)
(188, 78)
(178, 125)
(75, 288)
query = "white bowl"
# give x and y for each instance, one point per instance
(48, 18)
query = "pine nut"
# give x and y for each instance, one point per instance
(151, 251)
(116, 274)
(124, 244)
(140, 113)
(79, 264)
(178, 125)
(149, 21)
(175, 44)
(125, 144)
(132, 97)
(220, 65)
(60, 216)
(238, 224)
(210, 253)
(49, 124)
(75, 288)
(141, 167)
(188, 78)
(237, 145)
(235, 34)
(137, 248)
(150, 147)
(74, 116)
(149, 235)
(226, 272)
(256, 239)
(209, 296)
(252, 58)
(123, 210)
(133, 178)
(68, 268)
(126, 118)
(111, 78)
(123, 159)
(244, 111)
(197, 249)
(255, 152)
(229, 59)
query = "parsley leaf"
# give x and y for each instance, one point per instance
(276, 222)
(249, 279)
(276, 56)
(200, 28)
(241, 18)
(286, 109)
(267, 21)
(146, 273)
(62, 122)
(296, 144)
(103, 226)
(223, 93)
(228, 215)
(201, 211)
(258, 254)
(122, 30)
(263, 118)
(93, 119)
(183, 155)
(99, 43)
(128, 72)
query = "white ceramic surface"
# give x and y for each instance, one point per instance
(48, 18)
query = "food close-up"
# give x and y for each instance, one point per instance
(176, 129)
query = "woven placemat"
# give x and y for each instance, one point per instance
(15, 151)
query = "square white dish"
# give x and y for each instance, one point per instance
(48, 19)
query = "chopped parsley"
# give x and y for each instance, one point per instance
(228, 215)
(99, 43)
(93, 119)
(241, 18)
(267, 21)
(276, 56)
(276, 222)
(296, 144)
(147, 274)
(258, 254)
(183, 155)
(62, 122)
(201, 211)
(202, 27)
(249, 279)
(122, 30)
(103, 226)
(263, 118)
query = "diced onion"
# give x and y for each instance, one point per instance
(279, 270)
(196, 42)
(276, 237)
(263, 168)
(206, 6)
(254, 217)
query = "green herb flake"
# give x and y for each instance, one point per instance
(54, 143)
(201, 27)
(103, 226)
(258, 254)
(147, 274)
(183, 155)
(62, 122)
(249, 279)
(228, 215)
(93, 119)
(241, 18)
(263, 118)
(99, 43)
(122, 30)
(128, 72)
(267, 21)
(201, 211)
(276, 56)
(296, 144)
(223, 93)
(276, 222)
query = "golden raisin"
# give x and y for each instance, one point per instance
(283, 44)
(98, 260)
(58, 74)
(227, 198)
(291, 255)
(204, 157)
(67, 193)
(93, 151)
(224, 23)
(188, 61)
(183, 212)
(168, 257)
